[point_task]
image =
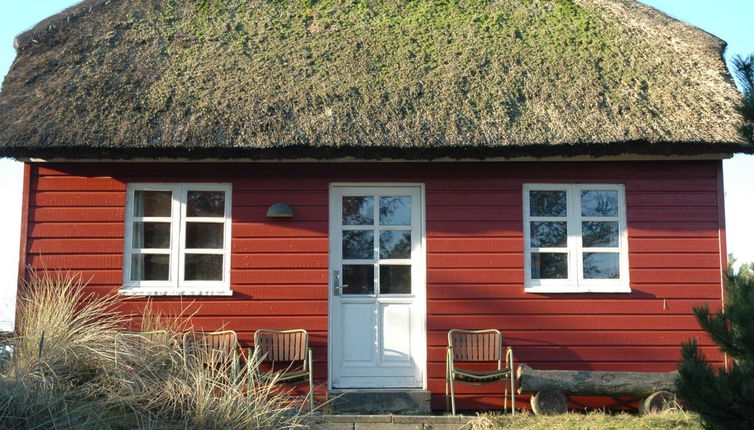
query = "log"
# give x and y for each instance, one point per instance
(660, 401)
(549, 402)
(590, 383)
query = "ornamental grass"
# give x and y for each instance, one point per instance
(66, 372)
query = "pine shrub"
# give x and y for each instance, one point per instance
(724, 397)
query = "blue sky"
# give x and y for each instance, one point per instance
(730, 20)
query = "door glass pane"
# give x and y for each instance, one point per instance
(547, 203)
(395, 279)
(599, 203)
(549, 265)
(358, 279)
(549, 234)
(395, 244)
(151, 235)
(599, 234)
(203, 267)
(150, 267)
(152, 203)
(395, 210)
(358, 244)
(601, 265)
(204, 235)
(358, 210)
(205, 204)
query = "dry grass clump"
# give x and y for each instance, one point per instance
(72, 369)
(671, 420)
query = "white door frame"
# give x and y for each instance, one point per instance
(420, 296)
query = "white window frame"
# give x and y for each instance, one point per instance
(575, 283)
(177, 285)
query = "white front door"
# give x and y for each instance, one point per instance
(377, 287)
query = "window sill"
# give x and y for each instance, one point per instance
(572, 289)
(173, 292)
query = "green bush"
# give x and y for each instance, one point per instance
(724, 397)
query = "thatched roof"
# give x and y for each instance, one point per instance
(370, 78)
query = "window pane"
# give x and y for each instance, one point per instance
(205, 204)
(358, 244)
(203, 267)
(358, 279)
(151, 235)
(395, 210)
(395, 279)
(152, 203)
(150, 267)
(599, 203)
(600, 265)
(358, 210)
(204, 235)
(599, 234)
(547, 203)
(549, 265)
(549, 234)
(395, 244)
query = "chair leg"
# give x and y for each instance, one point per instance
(513, 397)
(452, 395)
(505, 397)
(236, 366)
(250, 383)
(311, 383)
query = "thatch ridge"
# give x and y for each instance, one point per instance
(274, 78)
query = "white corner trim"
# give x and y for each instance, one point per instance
(173, 292)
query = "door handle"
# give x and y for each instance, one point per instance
(337, 286)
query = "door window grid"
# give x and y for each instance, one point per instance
(370, 224)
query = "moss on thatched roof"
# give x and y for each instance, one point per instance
(402, 78)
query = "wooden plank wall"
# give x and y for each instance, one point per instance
(474, 255)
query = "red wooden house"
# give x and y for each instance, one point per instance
(551, 169)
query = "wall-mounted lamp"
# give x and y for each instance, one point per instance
(280, 210)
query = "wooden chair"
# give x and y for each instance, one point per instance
(473, 346)
(287, 346)
(217, 349)
(132, 343)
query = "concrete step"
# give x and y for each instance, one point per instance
(389, 422)
(366, 402)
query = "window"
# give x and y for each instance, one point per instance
(575, 238)
(177, 239)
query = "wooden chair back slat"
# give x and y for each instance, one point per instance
(220, 346)
(131, 343)
(288, 345)
(476, 345)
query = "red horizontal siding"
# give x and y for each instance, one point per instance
(474, 256)
(472, 306)
(475, 244)
(76, 246)
(665, 199)
(672, 244)
(674, 229)
(50, 199)
(512, 290)
(594, 338)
